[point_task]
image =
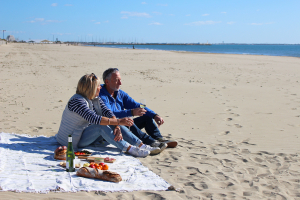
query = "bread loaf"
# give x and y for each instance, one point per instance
(89, 172)
(60, 153)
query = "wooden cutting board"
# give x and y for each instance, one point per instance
(92, 159)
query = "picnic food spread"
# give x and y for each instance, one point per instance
(89, 172)
(96, 168)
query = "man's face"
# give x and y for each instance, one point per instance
(114, 82)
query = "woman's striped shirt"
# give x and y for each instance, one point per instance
(79, 106)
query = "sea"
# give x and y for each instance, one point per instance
(250, 49)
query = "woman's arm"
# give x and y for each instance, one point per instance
(80, 107)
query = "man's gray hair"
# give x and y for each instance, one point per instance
(107, 73)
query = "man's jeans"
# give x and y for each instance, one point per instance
(150, 126)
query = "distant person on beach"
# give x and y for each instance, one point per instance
(88, 120)
(122, 105)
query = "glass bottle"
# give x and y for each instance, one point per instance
(70, 164)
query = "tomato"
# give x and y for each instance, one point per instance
(102, 164)
(99, 167)
(92, 166)
(96, 165)
(105, 167)
(106, 159)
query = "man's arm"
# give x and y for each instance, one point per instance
(111, 105)
(130, 103)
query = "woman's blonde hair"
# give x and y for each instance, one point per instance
(87, 86)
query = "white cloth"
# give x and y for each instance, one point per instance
(27, 164)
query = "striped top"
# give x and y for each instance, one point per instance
(79, 106)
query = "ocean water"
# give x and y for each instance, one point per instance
(270, 50)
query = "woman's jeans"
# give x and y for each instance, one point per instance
(96, 132)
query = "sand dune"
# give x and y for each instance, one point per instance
(236, 117)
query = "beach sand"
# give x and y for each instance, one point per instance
(236, 117)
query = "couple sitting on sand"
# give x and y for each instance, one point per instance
(94, 114)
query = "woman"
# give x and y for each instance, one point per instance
(88, 120)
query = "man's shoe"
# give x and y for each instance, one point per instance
(153, 150)
(160, 145)
(137, 152)
(170, 143)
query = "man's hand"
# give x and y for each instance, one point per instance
(139, 111)
(159, 120)
(118, 134)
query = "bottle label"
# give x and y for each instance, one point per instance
(67, 165)
(69, 139)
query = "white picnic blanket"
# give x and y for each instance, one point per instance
(27, 165)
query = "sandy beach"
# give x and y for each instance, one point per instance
(236, 117)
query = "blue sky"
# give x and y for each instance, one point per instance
(213, 21)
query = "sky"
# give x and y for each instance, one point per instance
(178, 21)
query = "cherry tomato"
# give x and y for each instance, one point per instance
(105, 167)
(99, 167)
(102, 164)
(92, 166)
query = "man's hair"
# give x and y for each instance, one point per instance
(107, 73)
(87, 86)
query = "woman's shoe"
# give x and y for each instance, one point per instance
(137, 152)
(153, 150)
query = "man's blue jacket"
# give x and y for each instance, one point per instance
(122, 105)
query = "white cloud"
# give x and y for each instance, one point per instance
(93, 20)
(144, 3)
(257, 24)
(162, 4)
(199, 23)
(127, 14)
(157, 13)
(43, 21)
(106, 21)
(205, 14)
(155, 23)
(224, 12)
(68, 5)
(188, 15)
(98, 23)
(230, 23)
(39, 19)
(54, 4)
(54, 21)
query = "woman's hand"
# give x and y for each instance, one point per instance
(118, 134)
(126, 121)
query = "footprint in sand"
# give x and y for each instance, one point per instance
(228, 119)
(238, 126)
(224, 133)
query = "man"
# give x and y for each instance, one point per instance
(122, 105)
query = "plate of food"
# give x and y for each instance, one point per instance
(83, 153)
